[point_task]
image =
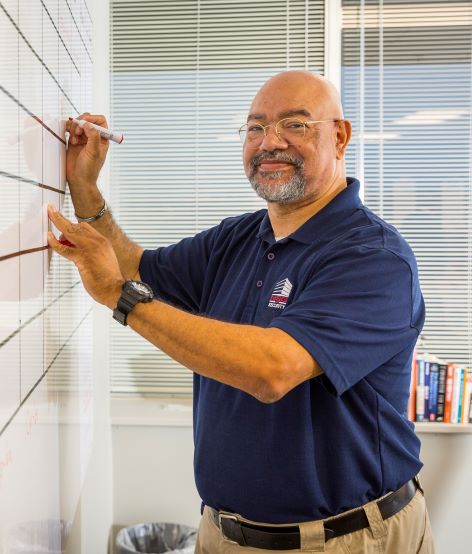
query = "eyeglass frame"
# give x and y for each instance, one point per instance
(277, 134)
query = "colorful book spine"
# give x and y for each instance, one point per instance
(460, 395)
(413, 380)
(470, 409)
(420, 391)
(456, 394)
(427, 367)
(441, 391)
(433, 391)
(449, 386)
(466, 396)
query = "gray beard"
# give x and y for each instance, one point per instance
(290, 191)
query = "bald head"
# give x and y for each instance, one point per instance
(304, 89)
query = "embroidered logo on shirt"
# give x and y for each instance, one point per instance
(280, 294)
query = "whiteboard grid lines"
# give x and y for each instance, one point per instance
(31, 182)
(31, 114)
(60, 36)
(38, 57)
(12, 417)
(31, 319)
(80, 34)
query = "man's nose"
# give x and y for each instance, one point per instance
(271, 141)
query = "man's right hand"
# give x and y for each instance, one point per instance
(86, 153)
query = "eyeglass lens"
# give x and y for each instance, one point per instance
(286, 129)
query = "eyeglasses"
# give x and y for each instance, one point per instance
(289, 129)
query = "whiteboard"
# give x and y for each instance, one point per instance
(46, 384)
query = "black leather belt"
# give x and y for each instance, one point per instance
(288, 537)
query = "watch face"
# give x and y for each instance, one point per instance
(140, 288)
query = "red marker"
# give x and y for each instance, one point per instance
(66, 242)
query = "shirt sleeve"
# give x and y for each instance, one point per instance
(355, 313)
(176, 273)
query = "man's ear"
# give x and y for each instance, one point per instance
(343, 136)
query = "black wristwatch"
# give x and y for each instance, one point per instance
(133, 292)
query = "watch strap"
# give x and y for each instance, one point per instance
(126, 303)
(123, 308)
(120, 317)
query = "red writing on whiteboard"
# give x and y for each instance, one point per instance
(32, 419)
(4, 463)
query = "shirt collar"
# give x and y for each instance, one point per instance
(347, 200)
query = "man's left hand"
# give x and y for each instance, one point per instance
(93, 255)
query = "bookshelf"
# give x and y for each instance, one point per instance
(428, 427)
(440, 390)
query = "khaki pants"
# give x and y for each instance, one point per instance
(407, 532)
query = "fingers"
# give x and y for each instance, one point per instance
(73, 129)
(75, 234)
(77, 135)
(93, 138)
(61, 222)
(97, 119)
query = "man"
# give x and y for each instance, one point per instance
(299, 323)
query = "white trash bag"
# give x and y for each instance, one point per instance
(156, 538)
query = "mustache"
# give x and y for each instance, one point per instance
(276, 155)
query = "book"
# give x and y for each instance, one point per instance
(411, 409)
(441, 391)
(467, 395)
(461, 395)
(433, 391)
(448, 399)
(456, 402)
(427, 366)
(420, 396)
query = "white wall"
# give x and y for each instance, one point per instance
(153, 463)
(447, 480)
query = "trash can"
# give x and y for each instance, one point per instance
(156, 538)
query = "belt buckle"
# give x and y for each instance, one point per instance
(224, 515)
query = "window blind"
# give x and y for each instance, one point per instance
(406, 87)
(183, 74)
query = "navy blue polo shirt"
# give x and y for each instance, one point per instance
(345, 286)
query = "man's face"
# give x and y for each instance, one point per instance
(296, 169)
